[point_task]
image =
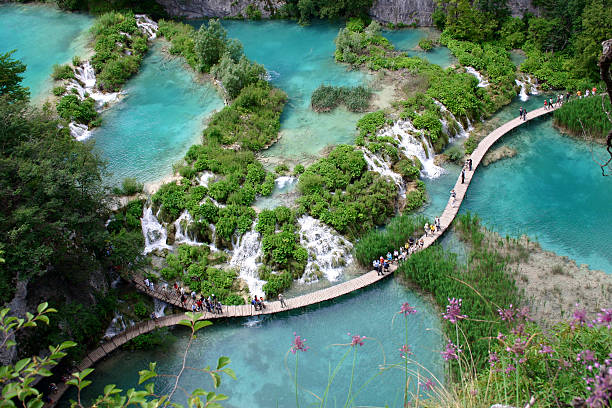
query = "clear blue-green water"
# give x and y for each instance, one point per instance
(43, 36)
(259, 348)
(161, 116)
(408, 39)
(299, 59)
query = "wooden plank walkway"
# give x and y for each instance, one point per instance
(171, 297)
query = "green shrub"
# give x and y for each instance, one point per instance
(59, 90)
(71, 108)
(455, 154)
(62, 72)
(141, 310)
(298, 169)
(276, 284)
(281, 169)
(426, 44)
(326, 98)
(131, 186)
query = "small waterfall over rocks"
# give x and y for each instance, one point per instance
(413, 143)
(528, 87)
(205, 178)
(159, 307)
(463, 132)
(181, 235)
(482, 83)
(147, 26)
(79, 131)
(284, 181)
(116, 326)
(382, 167)
(155, 234)
(246, 257)
(329, 252)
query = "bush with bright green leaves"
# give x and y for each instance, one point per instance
(71, 108)
(236, 75)
(426, 44)
(326, 98)
(341, 192)
(119, 48)
(416, 197)
(211, 44)
(377, 243)
(170, 200)
(182, 40)
(62, 72)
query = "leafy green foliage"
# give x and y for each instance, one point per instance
(211, 44)
(236, 75)
(71, 108)
(377, 243)
(117, 55)
(341, 192)
(585, 115)
(325, 98)
(10, 78)
(170, 198)
(306, 10)
(426, 44)
(62, 72)
(182, 39)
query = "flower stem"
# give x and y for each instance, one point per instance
(297, 401)
(348, 397)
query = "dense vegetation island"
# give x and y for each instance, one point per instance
(71, 246)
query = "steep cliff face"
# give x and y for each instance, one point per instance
(219, 8)
(387, 11)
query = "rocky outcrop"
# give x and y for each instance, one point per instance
(219, 8)
(404, 11)
(407, 12)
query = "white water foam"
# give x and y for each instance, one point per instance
(284, 181)
(116, 326)
(329, 253)
(246, 257)
(380, 166)
(159, 307)
(463, 133)
(412, 145)
(79, 131)
(482, 83)
(181, 235)
(155, 234)
(205, 178)
(147, 26)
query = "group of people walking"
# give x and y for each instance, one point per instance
(551, 103)
(382, 264)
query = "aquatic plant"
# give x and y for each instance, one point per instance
(326, 98)
(585, 117)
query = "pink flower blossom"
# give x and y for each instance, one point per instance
(546, 349)
(298, 343)
(407, 309)
(356, 340)
(453, 311)
(493, 359)
(585, 356)
(428, 385)
(510, 369)
(405, 351)
(604, 318)
(451, 352)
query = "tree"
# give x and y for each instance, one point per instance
(10, 78)
(210, 44)
(605, 61)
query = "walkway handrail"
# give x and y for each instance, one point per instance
(169, 296)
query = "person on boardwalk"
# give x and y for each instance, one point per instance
(432, 228)
(146, 282)
(426, 228)
(521, 112)
(462, 176)
(219, 307)
(437, 222)
(524, 114)
(281, 299)
(470, 160)
(545, 104)
(453, 195)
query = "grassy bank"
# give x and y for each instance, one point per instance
(585, 117)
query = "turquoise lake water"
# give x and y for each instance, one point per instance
(408, 39)
(259, 348)
(161, 116)
(299, 59)
(43, 36)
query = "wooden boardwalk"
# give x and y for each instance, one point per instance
(171, 297)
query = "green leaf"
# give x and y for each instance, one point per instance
(41, 308)
(84, 384)
(216, 379)
(185, 323)
(85, 373)
(223, 361)
(201, 324)
(67, 344)
(229, 372)
(20, 365)
(44, 319)
(35, 403)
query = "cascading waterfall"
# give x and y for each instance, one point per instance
(116, 326)
(528, 87)
(205, 178)
(159, 307)
(181, 234)
(382, 167)
(284, 181)
(155, 234)
(329, 253)
(246, 257)
(147, 26)
(523, 92)
(79, 131)
(463, 132)
(482, 82)
(405, 132)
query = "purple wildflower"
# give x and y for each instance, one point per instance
(546, 349)
(518, 347)
(585, 356)
(407, 309)
(356, 340)
(453, 311)
(510, 369)
(428, 385)
(604, 318)
(493, 359)
(298, 343)
(507, 315)
(405, 351)
(523, 313)
(519, 330)
(451, 352)
(601, 390)
(579, 317)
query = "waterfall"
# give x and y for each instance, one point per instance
(405, 132)
(382, 167)
(329, 253)
(246, 257)
(482, 83)
(79, 131)
(116, 326)
(155, 234)
(205, 178)
(284, 181)
(528, 87)
(181, 235)
(85, 74)
(159, 307)
(463, 133)
(523, 92)
(146, 25)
